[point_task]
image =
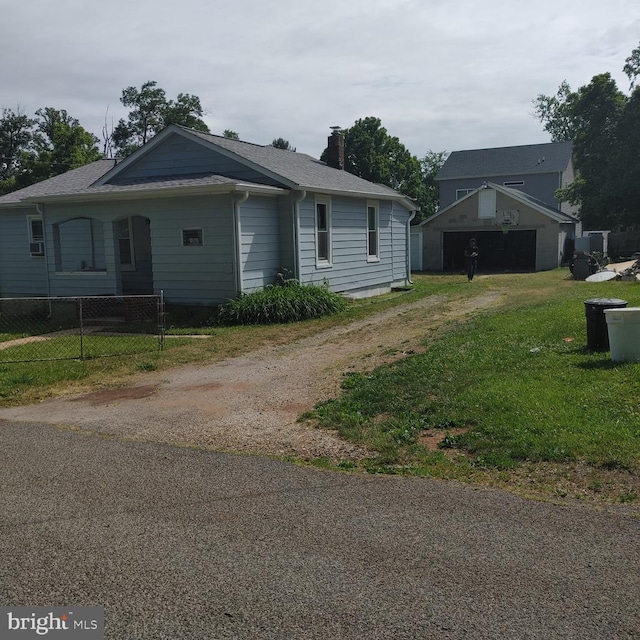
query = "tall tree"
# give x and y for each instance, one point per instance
(59, 143)
(596, 112)
(556, 113)
(373, 154)
(16, 132)
(626, 167)
(632, 67)
(431, 164)
(230, 134)
(151, 112)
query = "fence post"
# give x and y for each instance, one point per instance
(81, 329)
(161, 327)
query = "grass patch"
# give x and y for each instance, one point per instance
(520, 385)
(25, 382)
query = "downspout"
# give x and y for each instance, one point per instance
(296, 233)
(411, 217)
(237, 232)
(40, 210)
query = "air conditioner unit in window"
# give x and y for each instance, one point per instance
(36, 248)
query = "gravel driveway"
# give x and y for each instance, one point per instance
(251, 403)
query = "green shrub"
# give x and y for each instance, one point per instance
(287, 302)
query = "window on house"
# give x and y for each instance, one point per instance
(36, 236)
(513, 183)
(192, 238)
(323, 230)
(461, 193)
(372, 230)
(124, 234)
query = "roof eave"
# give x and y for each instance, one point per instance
(558, 216)
(168, 192)
(398, 197)
(513, 173)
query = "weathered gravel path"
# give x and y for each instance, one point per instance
(251, 403)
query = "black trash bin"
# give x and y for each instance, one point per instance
(597, 334)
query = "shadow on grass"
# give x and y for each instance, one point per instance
(601, 365)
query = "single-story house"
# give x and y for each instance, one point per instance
(203, 218)
(514, 232)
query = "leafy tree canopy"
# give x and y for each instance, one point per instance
(632, 67)
(16, 132)
(281, 143)
(35, 149)
(431, 164)
(602, 122)
(151, 112)
(232, 135)
(371, 153)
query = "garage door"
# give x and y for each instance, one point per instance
(513, 251)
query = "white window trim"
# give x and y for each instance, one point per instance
(191, 246)
(375, 257)
(461, 193)
(30, 219)
(132, 266)
(487, 204)
(323, 263)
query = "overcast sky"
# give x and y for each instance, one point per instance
(440, 74)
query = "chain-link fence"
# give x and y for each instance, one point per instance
(79, 327)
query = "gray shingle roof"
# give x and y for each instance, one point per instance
(299, 169)
(69, 182)
(294, 170)
(551, 157)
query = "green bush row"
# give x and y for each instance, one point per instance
(277, 304)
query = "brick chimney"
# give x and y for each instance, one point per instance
(335, 149)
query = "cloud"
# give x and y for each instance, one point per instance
(441, 74)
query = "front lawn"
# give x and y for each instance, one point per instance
(504, 394)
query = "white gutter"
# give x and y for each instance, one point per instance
(296, 233)
(237, 239)
(411, 217)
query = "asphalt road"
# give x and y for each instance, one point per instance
(180, 543)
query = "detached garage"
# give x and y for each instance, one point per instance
(514, 231)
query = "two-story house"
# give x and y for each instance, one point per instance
(505, 198)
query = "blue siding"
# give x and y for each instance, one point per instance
(350, 271)
(193, 274)
(260, 242)
(177, 156)
(187, 275)
(20, 273)
(539, 185)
